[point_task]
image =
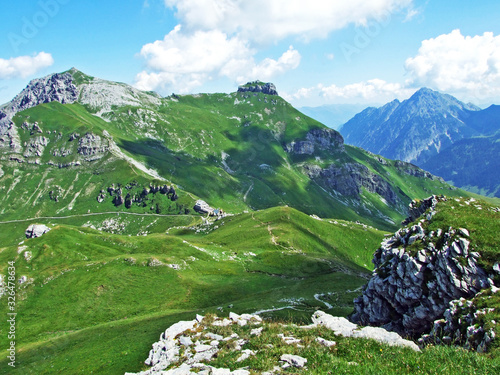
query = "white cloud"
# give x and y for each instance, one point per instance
(371, 91)
(220, 38)
(267, 21)
(460, 65)
(183, 62)
(24, 66)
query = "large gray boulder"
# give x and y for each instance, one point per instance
(36, 230)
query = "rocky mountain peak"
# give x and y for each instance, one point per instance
(437, 101)
(258, 86)
(414, 130)
(55, 87)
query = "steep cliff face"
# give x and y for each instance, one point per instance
(317, 139)
(349, 179)
(421, 273)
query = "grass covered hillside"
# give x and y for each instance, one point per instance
(238, 151)
(94, 301)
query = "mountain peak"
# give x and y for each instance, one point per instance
(259, 86)
(428, 96)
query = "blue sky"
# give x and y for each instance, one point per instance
(316, 52)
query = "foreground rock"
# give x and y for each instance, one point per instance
(419, 275)
(343, 327)
(188, 347)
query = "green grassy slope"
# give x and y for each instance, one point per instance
(83, 284)
(228, 149)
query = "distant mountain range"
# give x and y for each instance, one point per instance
(437, 132)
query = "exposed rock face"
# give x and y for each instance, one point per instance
(317, 139)
(417, 274)
(36, 230)
(349, 179)
(464, 324)
(101, 96)
(35, 146)
(55, 87)
(92, 146)
(417, 208)
(413, 170)
(257, 86)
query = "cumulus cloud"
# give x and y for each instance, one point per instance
(24, 66)
(185, 61)
(268, 21)
(371, 91)
(220, 38)
(457, 64)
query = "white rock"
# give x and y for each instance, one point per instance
(293, 360)
(222, 323)
(325, 342)
(245, 354)
(256, 331)
(464, 232)
(289, 339)
(214, 336)
(185, 341)
(178, 328)
(386, 337)
(341, 326)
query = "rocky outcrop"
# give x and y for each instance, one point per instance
(413, 170)
(417, 274)
(348, 179)
(187, 347)
(418, 207)
(92, 147)
(55, 87)
(203, 208)
(181, 343)
(465, 324)
(131, 193)
(36, 230)
(341, 326)
(317, 139)
(258, 86)
(35, 146)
